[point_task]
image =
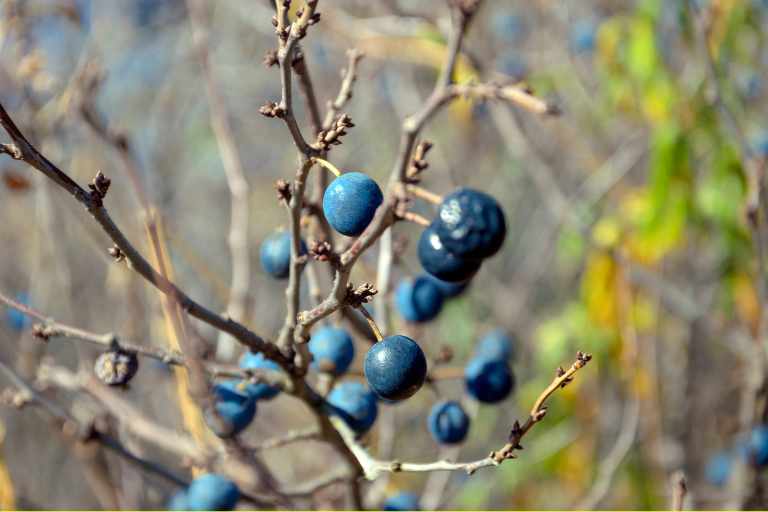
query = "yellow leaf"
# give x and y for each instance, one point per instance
(598, 288)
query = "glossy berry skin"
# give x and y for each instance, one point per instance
(17, 320)
(395, 368)
(470, 224)
(718, 469)
(350, 202)
(234, 407)
(442, 264)
(449, 290)
(448, 423)
(488, 380)
(402, 501)
(275, 254)
(418, 300)
(757, 446)
(212, 492)
(496, 344)
(255, 361)
(355, 404)
(332, 350)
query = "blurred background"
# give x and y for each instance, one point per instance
(629, 230)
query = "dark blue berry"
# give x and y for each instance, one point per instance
(17, 320)
(350, 202)
(395, 367)
(441, 263)
(757, 445)
(212, 492)
(496, 344)
(332, 350)
(448, 423)
(718, 469)
(470, 224)
(488, 380)
(275, 254)
(355, 404)
(418, 300)
(448, 290)
(234, 407)
(255, 361)
(402, 501)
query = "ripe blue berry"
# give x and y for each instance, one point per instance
(234, 407)
(441, 263)
(395, 367)
(332, 350)
(757, 446)
(418, 300)
(718, 469)
(470, 224)
(350, 202)
(584, 36)
(355, 404)
(402, 501)
(275, 254)
(448, 423)
(212, 492)
(488, 380)
(255, 361)
(17, 320)
(449, 290)
(496, 344)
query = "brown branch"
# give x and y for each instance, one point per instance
(349, 76)
(679, 490)
(425, 194)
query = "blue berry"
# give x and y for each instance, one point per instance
(275, 254)
(758, 445)
(17, 320)
(448, 290)
(234, 407)
(513, 66)
(355, 404)
(350, 202)
(332, 350)
(470, 224)
(441, 263)
(760, 145)
(395, 367)
(584, 36)
(496, 344)
(718, 469)
(488, 380)
(418, 300)
(255, 361)
(448, 423)
(402, 501)
(212, 492)
(509, 27)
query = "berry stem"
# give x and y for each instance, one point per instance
(416, 219)
(371, 322)
(328, 165)
(424, 194)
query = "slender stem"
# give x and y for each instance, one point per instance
(327, 165)
(371, 322)
(423, 193)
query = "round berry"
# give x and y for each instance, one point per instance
(402, 501)
(496, 344)
(17, 320)
(441, 263)
(332, 350)
(234, 407)
(488, 380)
(116, 367)
(718, 469)
(418, 300)
(350, 202)
(449, 290)
(470, 224)
(355, 404)
(757, 446)
(448, 423)
(275, 254)
(212, 492)
(256, 361)
(395, 367)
